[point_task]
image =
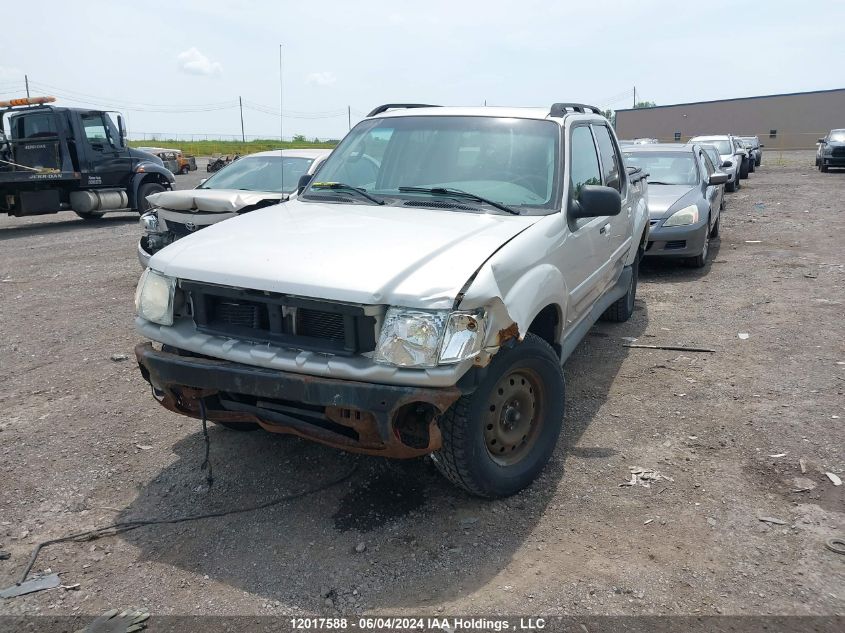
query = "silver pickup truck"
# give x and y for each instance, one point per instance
(420, 297)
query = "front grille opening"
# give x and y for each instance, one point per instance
(676, 244)
(286, 412)
(238, 313)
(318, 324)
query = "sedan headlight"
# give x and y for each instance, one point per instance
(418, 338)
(154, 297)
(687, 215)
(149, 222)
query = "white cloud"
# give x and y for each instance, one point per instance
(194, 62)
(321, 79)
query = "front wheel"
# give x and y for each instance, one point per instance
(90, 215)
(743, 169)
(145, 190)
(700, 260)
(730, 187)
(822, 166)
(497, 440)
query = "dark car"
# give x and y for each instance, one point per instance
(684, 199)
(831, 151)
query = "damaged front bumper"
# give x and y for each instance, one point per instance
(377, 419)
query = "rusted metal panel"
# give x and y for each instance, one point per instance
(368, 410)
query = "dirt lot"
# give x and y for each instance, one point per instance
(83, 444)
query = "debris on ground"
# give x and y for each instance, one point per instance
(119, 357)
(776, 455)
(360, 548)
(4, 555)
(834, 478)
(835, 545)
(802, 464)
(643, 477)
(143, 447)
(36, 583)
(803, 484)
(116, 621)
(679, 348)
(742, 335)
(772, 520)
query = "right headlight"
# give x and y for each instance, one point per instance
(687, 215)
(420, 338)
(154, 297)
(149, 222)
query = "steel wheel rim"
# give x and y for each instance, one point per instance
(514, 416)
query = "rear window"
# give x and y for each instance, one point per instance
(35, 125)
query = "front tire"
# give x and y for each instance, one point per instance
(91, 215)
(822, 166)
(700, 260)
(743, 169)
(497, 440)
(147, 189)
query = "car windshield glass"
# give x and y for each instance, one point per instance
(508, 161)
(666, 168)
(723, 146)
(749, 141)
(714, 157)
(260, 173)
(838, 136)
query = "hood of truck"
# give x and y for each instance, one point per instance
(355, 253)
(213, 200)
(661, 198)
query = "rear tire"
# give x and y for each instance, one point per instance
(743, 169)
(751, 165)
(90, 215)
(147, 189)
(730, 187)
(497, 440)
(622, 309)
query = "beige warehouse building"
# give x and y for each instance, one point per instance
(785, 121)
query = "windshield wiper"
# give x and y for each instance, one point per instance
(658, 182)
(344, 187)
(458, 193)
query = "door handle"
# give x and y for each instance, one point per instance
(605, 230)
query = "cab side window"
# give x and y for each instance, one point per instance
(609, 158)
(95, 129)
(584, 161)
(706, 163)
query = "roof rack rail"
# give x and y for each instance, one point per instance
(398, 106)
(559, 109)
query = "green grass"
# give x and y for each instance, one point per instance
(211, 147)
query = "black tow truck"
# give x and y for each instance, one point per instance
(56, 158)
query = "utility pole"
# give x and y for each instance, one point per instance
(281, 129)
(349, 116)
(26, 80)
(241, 103)
(635, 96)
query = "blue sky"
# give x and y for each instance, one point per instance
(152, 59)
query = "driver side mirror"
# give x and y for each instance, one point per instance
(726, 164)
(718, 178)
(595, 201)
(821, 140)
(304, 179)
(121, 129)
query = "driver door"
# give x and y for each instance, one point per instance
(109, 164)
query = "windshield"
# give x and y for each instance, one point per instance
(750, 141)
(508, 161)
(666, 168)
(260, 173)
(723, 146)
(837, 136)
(714, 156)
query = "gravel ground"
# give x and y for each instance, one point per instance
(82, 444)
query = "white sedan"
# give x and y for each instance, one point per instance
(249, 183)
